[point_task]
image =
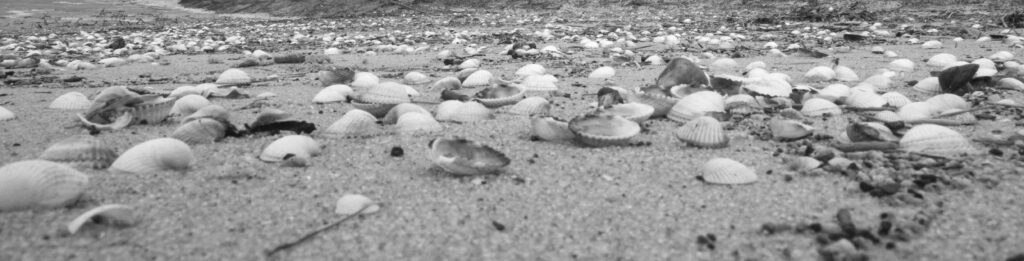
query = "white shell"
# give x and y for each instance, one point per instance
(415, 78)
(723, 65)
(915, 111)
(696, 105)
(364, 80)
(446, 109)
(881, 82)
(789, 129)
(633, 111)
(531, 106)
(935, 139)
(234, 76)
(531, 69)
(896, 99)
(71, 101)
(928, 86)
(212, 111)
(933, 44)
(6, 114)
(550, 129)
(189, 104)
(470, 63)
(1010, 83)
(413, 123)
(396, 112)
(386, 93)
(114, 214)
(865, 99)
(156, 155)
(602, 73)
(820, 74)
(1001, 56)
(888, 116)
(726, 171)
(544, 82)
(941, 60)
(80, 151)
(200, 131)
(845, 74)
(818, 107)
(833, 92)
(902, 65)
(469, 112)
(446, 83)
(333, 93)
(947, 101)
(703, 132)
(293, 145)
(464, 157)
(478, 78)
(350, 204)
(112, 62)
(603, 130)
(39, 184)
(153, 112)
(355, 123)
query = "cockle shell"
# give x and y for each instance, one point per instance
(531, 69)
(392, 116)
(364, 80)
(212, 111)
(234, 77)
(895, 99)
(386, 93)
(290, 146)
(465, 73)
(633, 111)
(602, 73)
(726, 171)
(603, 130)
(902, 65)
(469, 112)
(447, 83)
(540, 83)
(413, 123)
(818, 107)
(845, 74)
(1011, 84)
(201, 131)
(802, 163)
(870, 131)
(335, 76)
(71, 101)
(152, 112)
(351, 204)
(478, 78)
(865, 99)
(783, 130)
(470, 63)
(355, 123)
(662, 103)
(723, 65)
(550, 129)
(935, 139)
(915, 111)
(941, 60)
(880, 82)
(820, 74)
(958, 115)
(446, 109)
(929, 86)
(81, 151)
(415, 78)
(464, 157)
(947, 101)
(531, 106)
(110, 214)
(156, 155)
(681, 71)
(772, 85)
(500, 96)
(39, 184)
(703, 132)
(188, 104)
(696, 105)
(333, 93)
(1001, 56)
(834, 92)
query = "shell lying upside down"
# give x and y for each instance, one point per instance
(465, 157)
(39, 184)
(603, 130)
(499, 95)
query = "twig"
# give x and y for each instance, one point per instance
(270, 253)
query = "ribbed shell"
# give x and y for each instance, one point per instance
(772, 85)
(71, 101)
(386, 93)
(464, 157)
(212, 111)
(1010, 83)
(902, 65)
(818, 107)
(156, 155)
(200, 131)
(153, 112)
(726, 171)
(603, 130)
(39, 184)
(550, 129)
(935, 139)
(602, 73)
(888, 116)
(415, 78)
(392, 116)
(478, 78)
(696, 105)
(414, 123)
(470, 112)
(662, 104)
(820, 74)
(189, 104)
(896, 99)
(110, 213)
(703, 132)
(447, 83)
(531, 106)
(834, 92)
(845, 74)
(81, 151)
(364, 80)
(881, 82)
(633, 111)
(915, 111)
(531, 69)
(446, 109)
(941, 60)
(351, 204)
(294, 145)
(540, 83)
(234, 76)
(865, 99)
(355, 123)
(332, 77)
(789, 129)
(470, 63)
(965, 118)
(946, 101)
(929, 86)
(333, 93)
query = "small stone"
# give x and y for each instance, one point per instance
(397, 151)
(498, 226)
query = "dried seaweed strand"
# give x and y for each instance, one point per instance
(310, 235)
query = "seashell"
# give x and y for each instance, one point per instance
(603, 72)
(1001, 56)
(772, 85)
(266, 95)
(696, 105)
(118, 123)
(290, 146)
(633, 111)
(820, 74)
(682, 71)
(364, 80)
(234, 77)
(724, 171)
(703, 132)
(350, 204)
(1010, 83)
(928, 86)
(355, 123)
(336, 77)
(887, 116)
(662, 103)
(896, 99)
(6, 114)
(845, 74)
(80, 151)
(212, 111)
(540, 83)
(870, 131)
(201, 131)
(413, 123)
(269, 116)
(946, 101)
(802, 163)
(915, 111)
(865, 99)
(447, 83)
(935, 139)
(460, 156)
(112, 62)
(723, 65)
(392, 116)
(500, 95)
(446, 109)
(80, 65)
(71, 101)
(941, 60)
(933, 44)
(333, 93)
(958, 116)
(817, 107)
(470, 63)
(386, 93)
(531, 106)
(39, 184)
(785, 130)
(986, 68)
(415, 78)
(550, 129)
(188, 105)
(478, 78)
(185, 90)
(880, 82)
(654, 60)
(834, 92)
(161, 154)
(111, 214)
(902, 65)
(465, 73)
(469, 112)
(531, 69)
(603, 130)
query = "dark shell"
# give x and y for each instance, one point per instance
(956, 80)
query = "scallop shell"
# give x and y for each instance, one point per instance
(39, 184)
(212, 111)
(111, 214)
(531, 106)
(818, 107)
(6, 114)
(200, 131)
(234, 77)
(350, 204)
(81, 151)
(929, 86)
(946, 101)
(386, 93)
(355, 123)
(413, 123)
(470, 63)
(935, 139)
(464, 157)
(602, 73)
(185, 90)
(392, 116)
(540, 83)
(941, 60)
(603, 130)
(896, 99)
(470, 112)
(726, 171)
(189, 104)
(71, 101)
(156, 155)
(478, 78)
(415, 78)
(333, 93)
(696, 105)
(703, 132)
(364, 80)
(865, 99)
(447, 83)
(550, 129)
(152, 112)
(290, 146)
(834, 92)
(783, 130)
(531, 69)
(902, 65)
(633, 111)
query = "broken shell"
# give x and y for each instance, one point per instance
(896, 99)
(478, 78)
(633, 111)
(946, 101)
(154, 155)
(110, 214)
(935, 139)
(152, 112)
(71, 101)
(290, 146)
(200, 131)
(550, 129)
(355, 123)
(414, 123)
(531, 106)
(540, 83)
(333, 93)
(81, 151)
(392, 116)
(469, 112)
(703, 132)
(364, 80)
(6, 114)
(188, 104)
(212, 111)
(802, 163)
(464, 157)
(39, 184)
(662, 103)
(696, 105)
(447, 83)
(726, 171)
(784, 130)
(915, 111)
(415, 78)
(120, 122)
(234, 77)
(603, 130)
(351, 204)
(818, 107)
(602, 73)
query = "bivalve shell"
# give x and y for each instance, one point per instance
(603, 130)
(784, 130)
(531, 106)
(156, 155)
(531, 69)
(355, 123)
(540, 83)
(111, 214)
(464, 157)
(818, 107)
(188, 104)
(947, 101)
(290, 146)
(415, 78)
(234, 77)
(477, 79)
(152, 112)
(896, 99)
(447, 83)
(39, 184)
(724, 171)
(550, 129)
(500, 96)
(602, 73)
(469, 112)
(865, 99)
(633, 111)
(81, 151)
(71, 101)
(392, 116)
(201, 131)
(915, 111)
(703, 132)
(662, 103)
(888, 116)
(386, 93)
(414, 123)
(364, 80)
(212, 111)
(935, 139)
(351, 204)
(696, 105)
(929, 86)
(333, 93)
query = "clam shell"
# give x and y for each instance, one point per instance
(39, 184)
(946, 101)
(81, 151)
(290, 146)
(386, 93)
(820, 74)
(464, 157)
(896, 99)
(333, 77)
(696, 105)
(915, 111)
(540, 83)
(333, 93)
(465, 73)
(212, 111)
(531, 69)
(447, 83)
(234, 77)
(633, 111)
(902, 65)
(603, 130)
(869, 131)
(415, 78)
(834, 92)
(503, 101)
(789, 129)
(941, 60)
(200, 131)
(351, 204)
(478, 78)
(185, 90)
(681, 71)
(935, 139)
(446, 109)
(470, 112)
(152, 112)
(355, 123)
(703, 132)
(726, 171)
(189, 104)
(111, 214)
(531, 106)
(1010, 83)
(377, 110)
(845, 74)
(723, 65)
(888, 116)
(364, 80)
(414, 123)
(71, 101)
(740, 100)
(772, 85)
(120, 122)
(6, 114)
(470, 63)
(550, 129)
(865, 99)
(662, 103)
(602, 73)
(392, 116)
(802, 163)
(156, 155)
(817, 107)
